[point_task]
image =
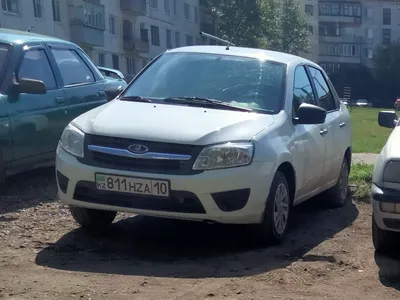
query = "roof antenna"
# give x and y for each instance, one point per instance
(215, 38)
(29, 29)
(237, 29)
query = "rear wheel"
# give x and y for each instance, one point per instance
(337, 196)
(272, 229)
(93, 219)
(384, 241)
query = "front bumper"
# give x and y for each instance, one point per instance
(382, 199)
(233, 196)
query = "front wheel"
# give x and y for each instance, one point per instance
(384, 241)
(92, 219)
(272, 229)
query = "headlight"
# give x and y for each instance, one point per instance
(392, 172)
(72, 140)
(224, 156)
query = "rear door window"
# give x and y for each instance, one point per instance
(4, 51)
(72, 68)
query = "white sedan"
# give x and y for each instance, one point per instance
(386, 188)
(209, 133)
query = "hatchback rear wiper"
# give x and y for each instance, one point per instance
(135, 98)
(199, 101)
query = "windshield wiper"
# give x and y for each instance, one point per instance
(205, 101)
(136, 98)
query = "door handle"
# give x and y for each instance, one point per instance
(323, 131)
(101, 93)
(60, 100)
(341, 125)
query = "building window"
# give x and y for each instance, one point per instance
(311, 29)
(167, 6)
(155, 35)
(144, 36)
(153, 4)
(130, 66)
(115, 61)
(368, 33)
(111, 23)
(309, 9)
(386, 36)
(38, 9)
(10, 6)
(336, 9)
(368, 53)
(196, 17)
(102, 59)
(329, 29)
(368, 12)
(387, 16)
(189, 40)
(177, 39)
(169, 38)
(186, 10)
(340, 49)
(174, 7)
(56, 10)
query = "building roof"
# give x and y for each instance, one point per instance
(21, 37)
(246, 52)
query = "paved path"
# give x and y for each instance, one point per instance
(367, 158)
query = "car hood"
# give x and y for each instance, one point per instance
(172, 123)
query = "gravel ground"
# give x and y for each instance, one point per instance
(44, 255)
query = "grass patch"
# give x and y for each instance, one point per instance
(361, 177)
(368, 136)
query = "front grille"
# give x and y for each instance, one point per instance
(175, 167)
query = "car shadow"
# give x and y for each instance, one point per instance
(389, 269)
(28, 189)
(170, 248)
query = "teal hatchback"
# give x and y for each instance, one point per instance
(44, 84)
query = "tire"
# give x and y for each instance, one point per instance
(268, 232)
(337, 196)
(384, 241)
(92, 219)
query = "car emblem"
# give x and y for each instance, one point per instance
(138, 149)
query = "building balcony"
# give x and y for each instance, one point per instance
(340, 59)
(345, 39)
(134, 44)
(340, 19)
(87, 22)
(138, 7)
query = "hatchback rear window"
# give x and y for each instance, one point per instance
(254, 83)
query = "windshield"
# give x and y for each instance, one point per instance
(239, 81)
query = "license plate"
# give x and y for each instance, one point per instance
(132, 185)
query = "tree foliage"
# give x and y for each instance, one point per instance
(273, 24)
(386, 61)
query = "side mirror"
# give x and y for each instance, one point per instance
(30, 86)
(310, 114)
(113, 92)
(387, 119)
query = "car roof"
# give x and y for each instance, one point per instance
(247, 52)
(11, 36)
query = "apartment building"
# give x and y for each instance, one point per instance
(121, 34)
(346, 32)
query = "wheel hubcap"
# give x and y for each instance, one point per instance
(281, 208)
(343, 182)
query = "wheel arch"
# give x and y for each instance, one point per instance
(290, 174)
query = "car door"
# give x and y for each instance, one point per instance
(325, 99)
(83, 84)
(309, 145)
(36, 120)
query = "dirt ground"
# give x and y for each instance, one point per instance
(43, 255)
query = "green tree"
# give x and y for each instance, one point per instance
(273, 24)
(386, 60)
